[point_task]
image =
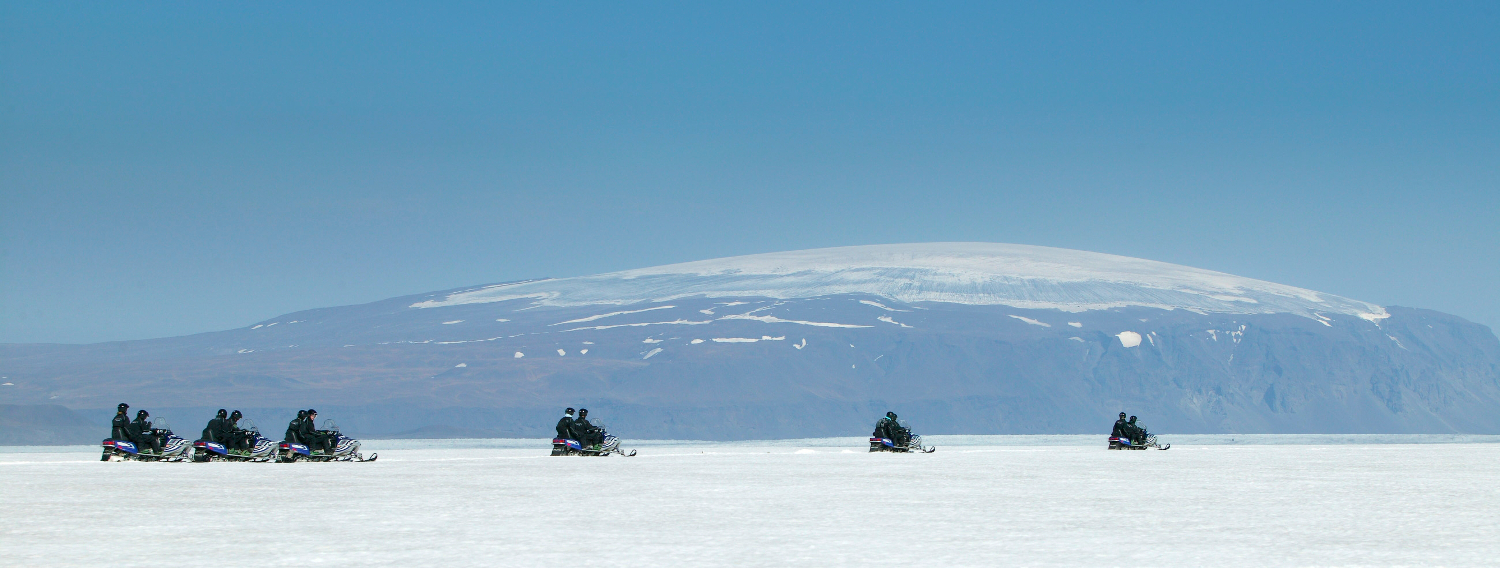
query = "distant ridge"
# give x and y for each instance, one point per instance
(959, 338)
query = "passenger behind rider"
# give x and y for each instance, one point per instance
(119, 428)
(217, 429)
(140, 433)
(1121, 426)
(565, 425)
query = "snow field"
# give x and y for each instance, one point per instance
(806, 503)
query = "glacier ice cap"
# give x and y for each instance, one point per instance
(1021, 276)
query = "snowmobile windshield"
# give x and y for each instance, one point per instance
(330, 425)
(902, 422)
(600, 425)
(248, 425)
(160, 424)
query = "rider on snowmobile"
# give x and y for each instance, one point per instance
(1137, 433)
(237, 439)
(309, 434)
(565, 425)
(140, 433)
(120, 427)
(889, 428)
(586, 434)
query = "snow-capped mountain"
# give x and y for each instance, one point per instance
(957, 337)
(1019, 276)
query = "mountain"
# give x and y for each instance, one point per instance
(956, 337)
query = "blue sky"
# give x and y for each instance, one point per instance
(175, 168)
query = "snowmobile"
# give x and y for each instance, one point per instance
(345, 449)
(571, 447)
(913, 443)
(173, 447)
(262, 449)
(1147, 441)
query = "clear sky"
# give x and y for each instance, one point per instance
(172, 168)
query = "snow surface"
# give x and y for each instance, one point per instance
(1020, 276)
(788, 503)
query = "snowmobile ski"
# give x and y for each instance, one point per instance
(1125, 443)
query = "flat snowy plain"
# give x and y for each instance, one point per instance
(978, 501)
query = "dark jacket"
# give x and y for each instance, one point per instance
(885, 428)
(291, 431)
(565, 427)
(232, 432)
(1121, 429)
(216, 431)
(582, 430)
(138, 430)
(119, 428)
(308, 432)
(140, 433)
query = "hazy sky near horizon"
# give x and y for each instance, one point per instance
(173, 168)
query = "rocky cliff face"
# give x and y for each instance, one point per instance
(958, 338)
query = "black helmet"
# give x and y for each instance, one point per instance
(1132, 419)
(890, 415)
(301, 414)
(142, 414)
(235, 415)
(1122, 415)
(122, 407)
(311, 411)
(582, 412)
(223, 413)
(568, 411)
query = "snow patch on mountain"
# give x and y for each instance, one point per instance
(774, 319)
(1032, 321)
(881, 306)
(612, 314)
